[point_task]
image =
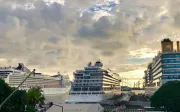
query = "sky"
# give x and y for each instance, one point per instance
(64, 35)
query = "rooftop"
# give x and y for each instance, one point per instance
(77, 108)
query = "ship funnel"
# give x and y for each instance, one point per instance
(20, 66)
(178, 49)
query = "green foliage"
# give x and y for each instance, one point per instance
(167, 96)
(20, 98)
(31, 109)
(34, 96)
(107, 110)
(16, 103)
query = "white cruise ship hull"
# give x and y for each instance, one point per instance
(56, 95)
(90, 98)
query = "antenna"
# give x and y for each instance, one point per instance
(89, 64)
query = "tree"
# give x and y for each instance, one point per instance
(18, 100)
(107, 110)
(167, 96)
(16, 103)
(34, 96)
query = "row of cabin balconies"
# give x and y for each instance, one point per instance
(82, 72)
(96, 81)
(164, 58)
(30, 80)
(75, 85)
(83, 90)
(92, 77)
(95, 84)
(99, 70)
(92, 80)
(99, 77)
(111, 78)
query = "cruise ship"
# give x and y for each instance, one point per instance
(94, 84)
(164, 67)
(53, 87)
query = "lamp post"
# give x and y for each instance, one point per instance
(25, 108)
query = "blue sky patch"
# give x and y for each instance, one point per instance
(102, 7)
(137, 60)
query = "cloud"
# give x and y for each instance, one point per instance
(98, 29)
(107, 53)
(54, 52)
(55, 38)
(108, 45)
(143, 53)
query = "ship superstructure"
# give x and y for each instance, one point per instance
(94, 84)
(164, 67)
(52, 86)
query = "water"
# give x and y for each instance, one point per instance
(57, 98)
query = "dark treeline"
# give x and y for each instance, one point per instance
(21, 100)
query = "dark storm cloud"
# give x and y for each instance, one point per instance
(91, 32)
(105, 45)
(107, 53)
(54, 39)
(53, 13)
(97, 30)
(3, 50)
(108, 27)
(43, 16)
(86, 19)
(26, 31)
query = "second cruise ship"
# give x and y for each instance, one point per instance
(54, 88)
(94, 84)
(164, 67)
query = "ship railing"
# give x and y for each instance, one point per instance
(87, 84)
(99, 70)
(5, 67)
(79, 71)
(86, 92)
